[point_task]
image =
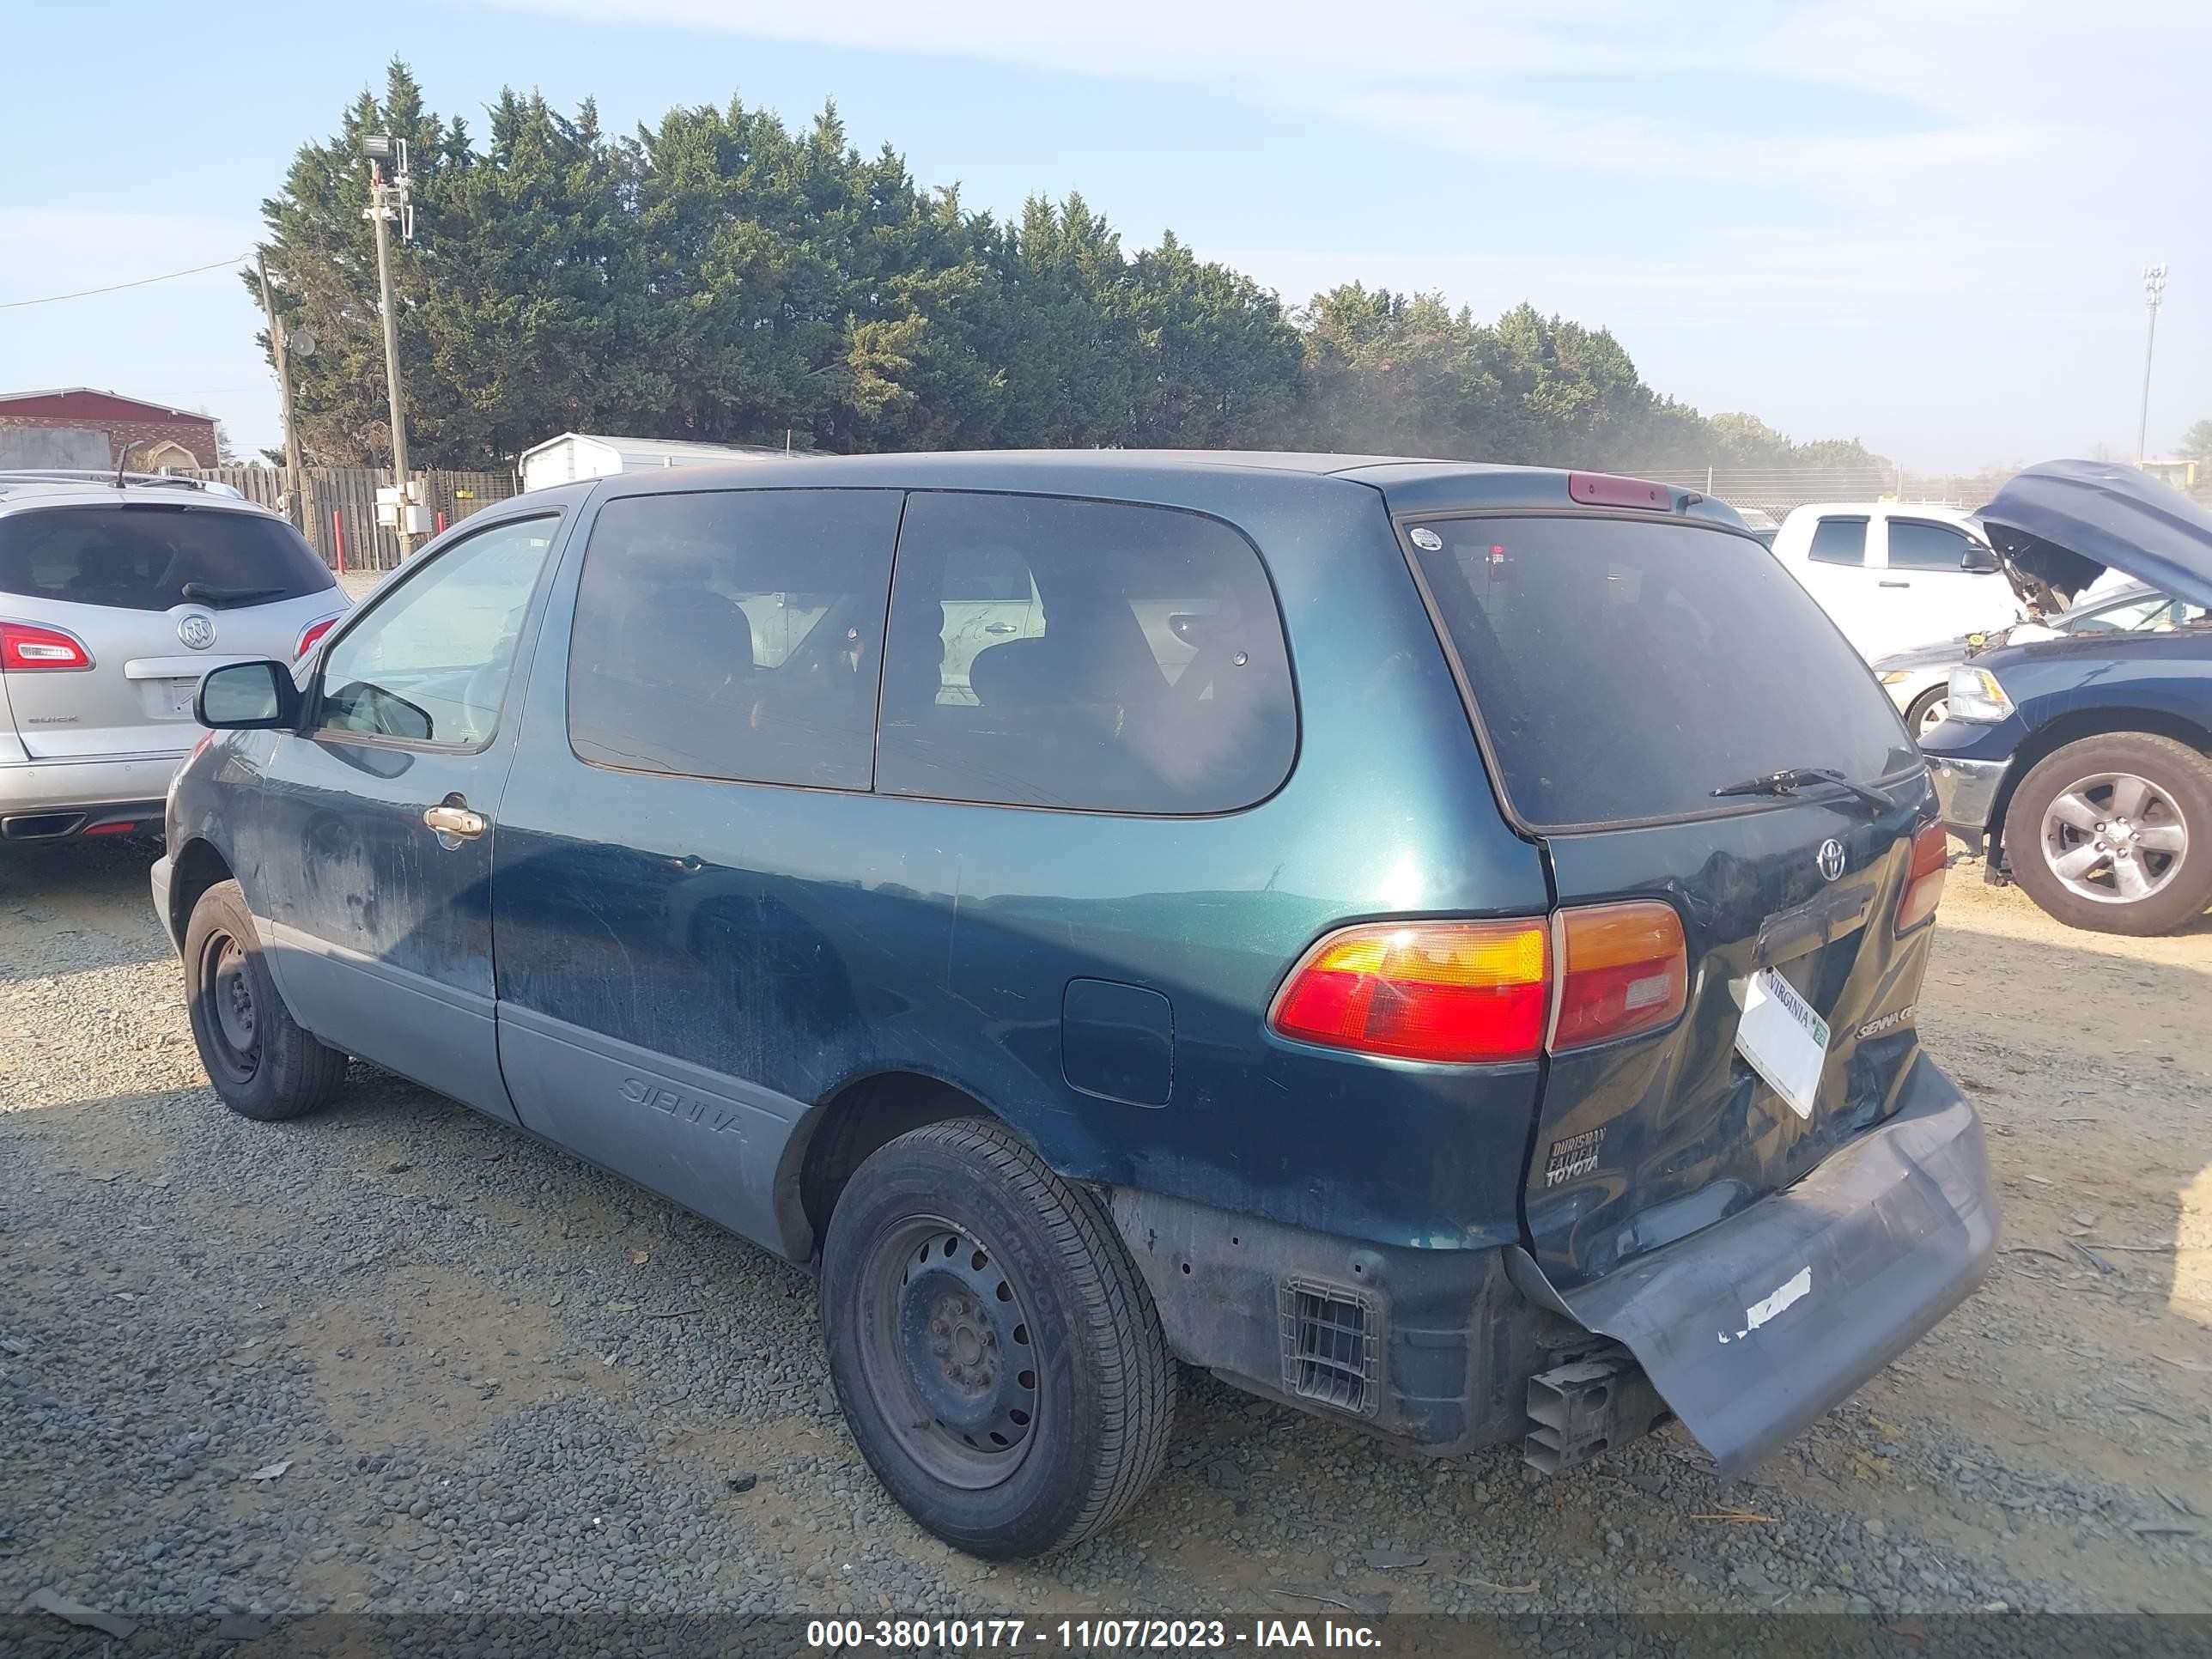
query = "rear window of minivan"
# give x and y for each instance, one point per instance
(1622, 671)
(149, 557)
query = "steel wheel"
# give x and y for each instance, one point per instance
(2114, 838)
(232, 1020)
(949, 1358)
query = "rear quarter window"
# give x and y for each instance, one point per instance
(140, 555)
(1622, 670)
(1148, 674)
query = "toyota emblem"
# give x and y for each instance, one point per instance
(1831, 859)
(197, 630)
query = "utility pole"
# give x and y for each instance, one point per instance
(280, 348)
(2154, 291)
(387, 200)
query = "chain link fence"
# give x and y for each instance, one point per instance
(1777, 490)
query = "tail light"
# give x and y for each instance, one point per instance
(1923, 878)
(1623, 968)
(25, 649)
(311, 636)
(1483, 991)
(1425, 990)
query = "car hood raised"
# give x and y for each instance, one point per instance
(2063, 524)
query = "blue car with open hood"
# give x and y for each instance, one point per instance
(1435, 945)
(2082, 767)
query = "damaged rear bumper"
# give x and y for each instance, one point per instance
(1759, 1324)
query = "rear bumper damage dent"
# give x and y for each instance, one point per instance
(1755, 1327)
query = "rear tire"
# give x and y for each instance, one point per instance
(262, 1062)
(2148, 800)
(997, 1355)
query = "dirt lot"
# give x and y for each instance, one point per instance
(395, 1359)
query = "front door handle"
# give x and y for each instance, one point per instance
(1896, 583)
(450, 819)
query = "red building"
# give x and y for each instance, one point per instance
(166, 436)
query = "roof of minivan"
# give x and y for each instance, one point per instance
(1411, 483)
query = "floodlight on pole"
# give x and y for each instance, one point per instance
(2153, 292)
(387, 201)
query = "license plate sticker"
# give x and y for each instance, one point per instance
(1782, 1039)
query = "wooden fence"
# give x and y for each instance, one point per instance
(341, 518)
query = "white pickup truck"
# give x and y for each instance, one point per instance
(1893, 576)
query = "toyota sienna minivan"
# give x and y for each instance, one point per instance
(1435, 945)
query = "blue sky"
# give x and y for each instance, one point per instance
(1917, 223)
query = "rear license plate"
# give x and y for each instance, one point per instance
(181, 693)
(1782, 1039)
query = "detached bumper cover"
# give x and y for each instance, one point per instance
(1758, 1325)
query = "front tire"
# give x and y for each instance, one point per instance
(998, 1357)
(262, 1062)
(1928, 711)
(2114, 833)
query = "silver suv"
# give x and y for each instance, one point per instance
(115, 598)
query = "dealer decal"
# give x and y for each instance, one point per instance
(1575, 1156)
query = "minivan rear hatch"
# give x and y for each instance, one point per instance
(1657, 700)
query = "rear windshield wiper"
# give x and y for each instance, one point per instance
(207, 595)
(1791, 780)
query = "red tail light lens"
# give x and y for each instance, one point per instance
(26, 649)
(1624, 968)
(1458, 991)
(312, 636)
(1923, 878)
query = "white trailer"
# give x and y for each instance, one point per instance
(574, 455)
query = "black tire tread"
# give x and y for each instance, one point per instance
(2024, 855)
(303, 1075)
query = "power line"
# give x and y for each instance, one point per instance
(87, 293)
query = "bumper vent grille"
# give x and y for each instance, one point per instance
(1328, 1344)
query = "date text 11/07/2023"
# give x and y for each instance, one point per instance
(1087, 1635)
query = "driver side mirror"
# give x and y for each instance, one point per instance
(247, 696)
(1979, 561)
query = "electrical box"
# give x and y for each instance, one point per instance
(390, 507)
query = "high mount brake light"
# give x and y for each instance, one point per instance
(1923, 878)
(1466, 992)
(1604, 489)
(25, 648)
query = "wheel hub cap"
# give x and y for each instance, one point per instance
(234, 998)
(2115, 838)
(965, 1342)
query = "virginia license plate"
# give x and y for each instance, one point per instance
(1782, 1039)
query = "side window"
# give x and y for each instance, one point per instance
(1148, 674)
(1838, 541)
(430, 662)
(734, 634)
(1916, 546)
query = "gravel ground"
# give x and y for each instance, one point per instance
(397, 1359)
